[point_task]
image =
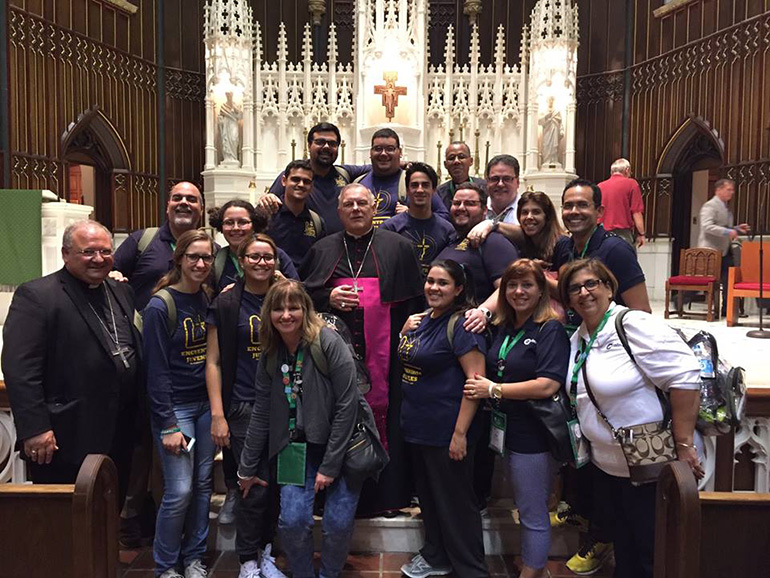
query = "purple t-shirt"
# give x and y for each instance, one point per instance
(385, 190)
(429, 236)
(433, 379)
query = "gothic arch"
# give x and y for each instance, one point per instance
(93, 131)
(693, 138)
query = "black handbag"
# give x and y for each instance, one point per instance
(554, 412)
(365, 456)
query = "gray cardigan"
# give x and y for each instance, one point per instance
(329, 407)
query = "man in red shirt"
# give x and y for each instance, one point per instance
(623, 204)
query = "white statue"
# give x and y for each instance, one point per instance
(229, 122)
(551, 137)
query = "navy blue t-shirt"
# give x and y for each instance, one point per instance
(175, 364)
(248, 345)
(610, 250)
(543, 351)
(385, 190)
(326, 190)
(429, 236)
(230, 273)
(294, 234)
(486, 263)
(433, 380)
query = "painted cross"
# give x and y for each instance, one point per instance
(390, 93)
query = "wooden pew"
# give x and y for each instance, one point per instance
(711, 534)
(62, 530)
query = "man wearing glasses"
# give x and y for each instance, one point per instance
(323, 142)
(387, 180)
(148, 254)
(457, 161)
(71, 362)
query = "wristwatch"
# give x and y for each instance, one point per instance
(495, 226)
(487, 313)
(497, 391)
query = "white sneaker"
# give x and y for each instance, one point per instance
(171, 573)
(250, 569)
(195, 569)
(267, 564)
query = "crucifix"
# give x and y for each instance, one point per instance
(390, 93)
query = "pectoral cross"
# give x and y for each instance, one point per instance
(120, 353)
(390, 93)
(356, 287)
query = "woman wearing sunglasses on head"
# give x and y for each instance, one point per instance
(175, 354)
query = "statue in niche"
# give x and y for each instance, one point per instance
(229, 122)
(551, 136)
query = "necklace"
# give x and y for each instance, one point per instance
(119, 352)
(356, 286)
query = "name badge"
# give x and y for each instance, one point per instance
(581, 449)
(291, 464)
(497, 432)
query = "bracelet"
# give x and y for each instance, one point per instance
(169, 431)
(688, 446)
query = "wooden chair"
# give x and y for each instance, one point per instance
(743, 281)
(62, 530)
(699, 270)
(711, 534)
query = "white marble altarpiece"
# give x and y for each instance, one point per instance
(258, 112)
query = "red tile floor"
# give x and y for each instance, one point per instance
(139, 564)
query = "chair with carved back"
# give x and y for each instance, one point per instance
(699, 270)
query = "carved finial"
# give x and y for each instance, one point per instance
(500, 47)
(258, 43)
(307, 44)
(449, 48)
(317, 8)
(332, 50)
(475, 53)
(283, 48)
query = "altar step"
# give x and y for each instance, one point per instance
(404, 533)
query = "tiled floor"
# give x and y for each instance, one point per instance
(139, 564)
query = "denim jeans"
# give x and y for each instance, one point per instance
(182, 525)
(295, 524)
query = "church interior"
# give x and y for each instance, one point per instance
(105, 105)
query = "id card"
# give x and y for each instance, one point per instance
(497, 432)
(291, 464)
(581, 449)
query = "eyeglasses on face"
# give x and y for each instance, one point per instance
(580, 206)
(193, 258)
(505, 179)
(322, 142)
(457, 203)
(589, 285)
(458, 157)
(178, 198)
(232, 223)
(256, 258)
(384, 149)
(91, 253)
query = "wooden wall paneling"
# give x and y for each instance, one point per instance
(108, 27)
(172, 48)
(147, 30)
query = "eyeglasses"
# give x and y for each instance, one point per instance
(231, 223)
(192, 199)
(580, 206)
(506, 179)
(91, 253)
(381, 149)
(466, 203)
(458, 157)
(193, 258)
(256, 258)
(322, 142)
(589, 285)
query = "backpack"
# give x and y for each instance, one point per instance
(220, 260)
(722, 388)
(363, 380)
(168, 299)
(401, 185)
(147, 236)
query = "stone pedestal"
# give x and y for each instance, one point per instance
(221, 185)
(552, 183)
(56, 216)
(655, 260)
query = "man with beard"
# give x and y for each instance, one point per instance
(372, 280)
(387, 180)
(457, 161)
(71, 362)
(148, 254)
(323, 142)
(428, 233)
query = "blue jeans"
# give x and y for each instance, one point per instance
(182, 525)
(295, 525)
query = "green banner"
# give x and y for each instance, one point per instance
(20, 236)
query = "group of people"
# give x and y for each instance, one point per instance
(466, 303)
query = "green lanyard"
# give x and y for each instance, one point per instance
(234, 259)
(584, 351)
(505, 349)
(173, 246)
(452, 187)
(292, 387)
(585, 249)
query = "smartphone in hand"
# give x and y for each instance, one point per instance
(189, 441)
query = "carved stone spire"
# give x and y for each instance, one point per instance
(472, 9)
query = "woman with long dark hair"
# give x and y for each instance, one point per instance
(232, 357)
(528, 359)
(304, 416)
(175, 354)
(438, 354)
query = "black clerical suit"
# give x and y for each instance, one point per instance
(62, 373)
